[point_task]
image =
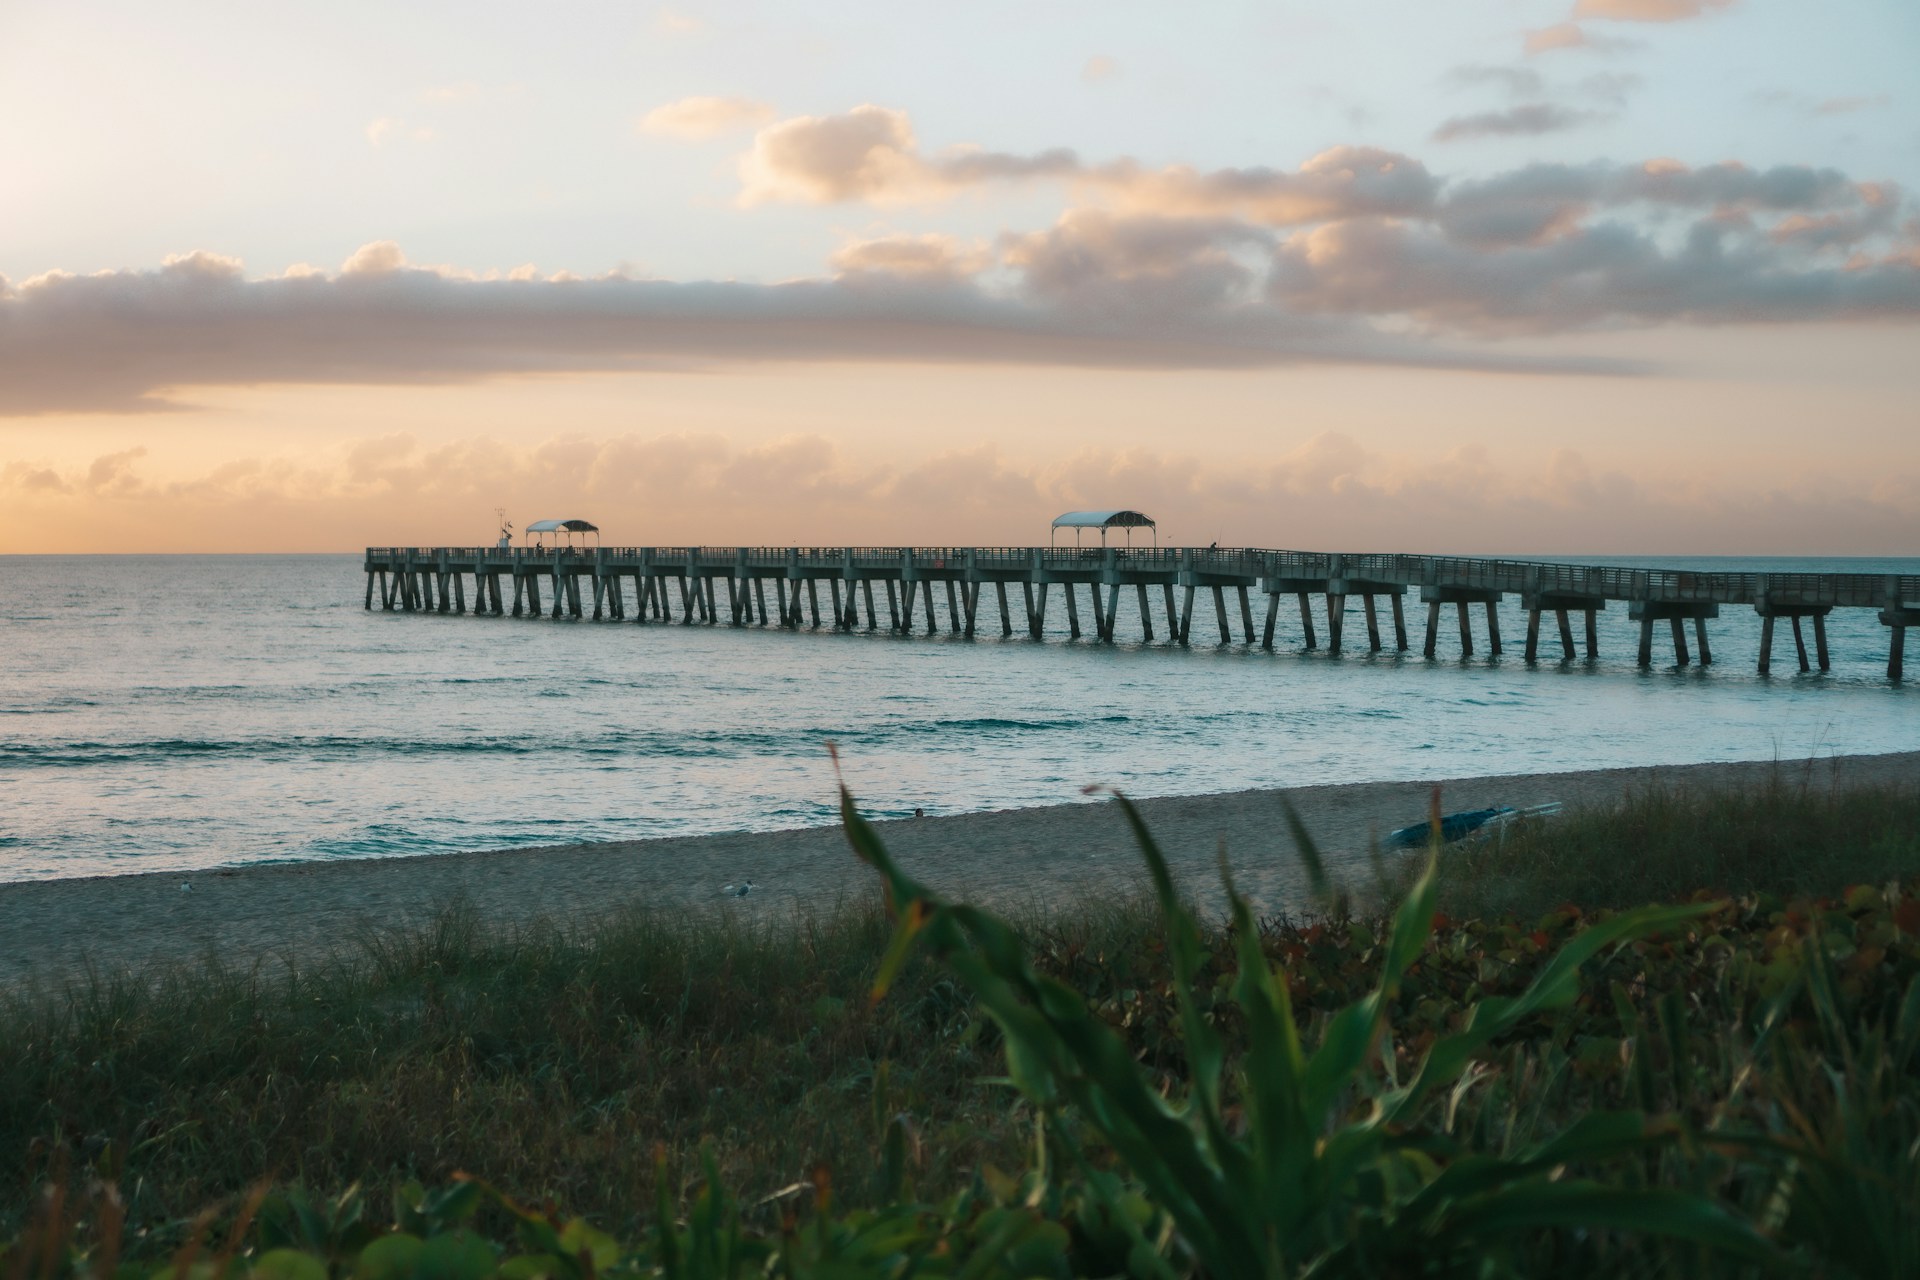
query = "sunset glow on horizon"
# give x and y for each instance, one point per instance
(1624, 277)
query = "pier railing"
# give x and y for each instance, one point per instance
(1602, 582)
(433, 578)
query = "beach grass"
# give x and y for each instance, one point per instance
(633, 1069)
(556, 1059)
(1786, 837)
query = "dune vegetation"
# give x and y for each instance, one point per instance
(1515, 1065)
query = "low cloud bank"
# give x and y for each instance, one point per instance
(1331, 493)
(1359, 255)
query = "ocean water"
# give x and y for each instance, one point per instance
(176, 713)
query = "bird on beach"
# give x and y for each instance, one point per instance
(185, 887)
(740, 890)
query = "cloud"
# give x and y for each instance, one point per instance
(31, 480)
(122, 341)
(1527, 120)
(1610, 87)
(1647, 10)
(700, 118)
(1359, 255)
(1522, 82)
(684, 487)
(1538, 201)
(1845, 106)
(922, 257)
(1338, 182)
(1610, 272)
(1810, 106)
(112, 473)
(1571, 35)
(1094, 261)
(381, 257)
(870, 154)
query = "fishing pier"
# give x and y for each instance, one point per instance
(903, 589)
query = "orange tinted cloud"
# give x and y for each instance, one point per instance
(701, 118)
(1648, 10)
(1328, 493)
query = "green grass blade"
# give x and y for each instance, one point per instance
(1578, 1204)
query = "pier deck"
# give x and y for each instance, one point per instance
(685, 584)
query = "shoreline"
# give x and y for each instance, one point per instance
(53, 931)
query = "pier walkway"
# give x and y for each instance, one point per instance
(732, 584)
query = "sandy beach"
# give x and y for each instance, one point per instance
(51, 931)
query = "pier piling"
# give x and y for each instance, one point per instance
(433, 580)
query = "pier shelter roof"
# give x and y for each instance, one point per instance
(565, 528)
(1103, 521)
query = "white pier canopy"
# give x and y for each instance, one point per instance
(1103, 521)
(567, 528)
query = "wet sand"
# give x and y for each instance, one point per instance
(53, 931)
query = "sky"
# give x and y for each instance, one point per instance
(1497, 276)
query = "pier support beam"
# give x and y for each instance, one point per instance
(1768, 611)
(1897, 619)
(1006, 614)
(1676, 613)
(1563, 606)
(1460, 598)
(1146, 614)
(1073, 611)
(1341, 590)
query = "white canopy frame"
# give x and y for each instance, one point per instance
(1104, 521)
(570, 529)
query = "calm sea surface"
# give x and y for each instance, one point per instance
(171, 713)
